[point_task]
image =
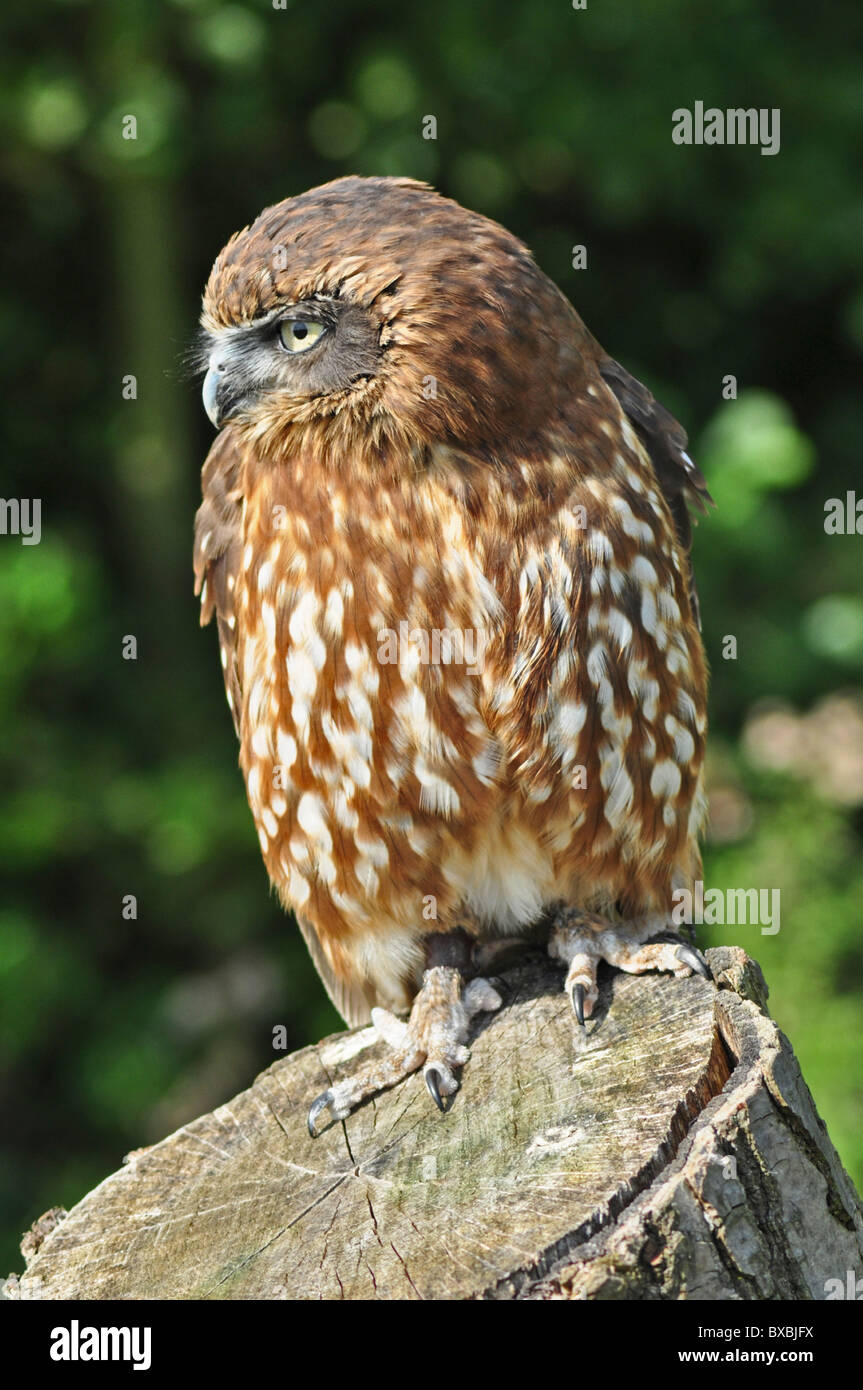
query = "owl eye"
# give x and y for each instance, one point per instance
(298, 335)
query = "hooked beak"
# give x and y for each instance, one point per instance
(223, 394)
(210, 393)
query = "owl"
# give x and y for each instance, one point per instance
(446, 542)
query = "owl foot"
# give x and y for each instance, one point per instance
(434, 1038)
(581, 940)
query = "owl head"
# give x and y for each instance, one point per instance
(377, 302)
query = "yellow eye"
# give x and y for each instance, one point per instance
(298, 335)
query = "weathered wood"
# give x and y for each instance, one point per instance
(671, 1150)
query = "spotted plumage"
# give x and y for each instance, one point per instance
(446, 542)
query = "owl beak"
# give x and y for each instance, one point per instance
(210, 393)
(222, 398)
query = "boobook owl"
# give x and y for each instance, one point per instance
(446, 541)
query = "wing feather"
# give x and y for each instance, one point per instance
(217, 561)
(218, 554)
(347, 996)
(665, 440)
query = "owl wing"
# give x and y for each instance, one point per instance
(218, 554)
(682, 483)
(347, 997)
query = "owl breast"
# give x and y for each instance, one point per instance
(462, 707)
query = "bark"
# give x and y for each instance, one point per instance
(670, 1150)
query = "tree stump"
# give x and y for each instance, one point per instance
(670, 1150)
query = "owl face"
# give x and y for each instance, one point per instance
(300, 351)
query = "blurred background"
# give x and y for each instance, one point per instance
(119, 777)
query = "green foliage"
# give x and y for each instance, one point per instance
(119, 776)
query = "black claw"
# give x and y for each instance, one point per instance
(687, 955)
(577, 1000)
(315, 1109)
(432, 1076)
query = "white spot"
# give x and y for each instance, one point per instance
(361, 668)
(486, 763)
(684, 743)
(643, 572)
(665, 779)
(598, 548)
(669, 609)
(303, 632)
(619, 627)
(374, 850)
(261, 741)
(310, 817)
(334, 613)
(298, 887)
(253, 786)
(569, 721)
(616, 783)
(632, 527)
(687, 708)
(436, 794)
(367, 877)
(351, 747)
(345, 814)
(618, 581)
(326, 870)
(302, 683)
(596, 663)
(286, 748)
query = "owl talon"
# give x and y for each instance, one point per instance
(582, 940)
(432, 1076)
(687, 955)
(433, 1038)
(316, 1108)
(576, 996)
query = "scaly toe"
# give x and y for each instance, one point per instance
(480, 996)
(391, 1029)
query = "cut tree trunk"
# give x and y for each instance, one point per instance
(669, 1150)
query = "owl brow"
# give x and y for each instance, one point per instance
(317, 309)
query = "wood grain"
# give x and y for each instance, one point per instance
(571, 1164)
